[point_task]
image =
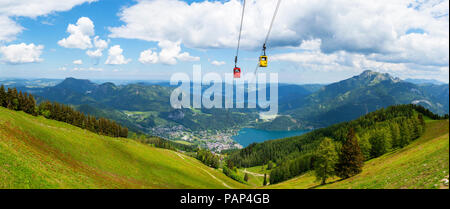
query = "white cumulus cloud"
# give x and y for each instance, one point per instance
(218, 63)
(115, 56)
(148, 57)
(187, 57)
(310, 55)
(80, 34)
(378, 30)
(29, 8)
(8, 29)
(78, 62)
(21, 53)
(205, 24)
(170, 54)
(34, 8)
(100, 45)
(87, 69)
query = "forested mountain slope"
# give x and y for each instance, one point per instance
(424, 164)
(401, 118)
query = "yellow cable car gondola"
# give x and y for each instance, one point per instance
(263, 58)
(263, 61)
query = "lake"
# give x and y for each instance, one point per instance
(247, 136)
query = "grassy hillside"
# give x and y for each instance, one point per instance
(422, 164)
(39, 153)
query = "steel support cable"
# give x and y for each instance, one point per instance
(239, 37)
(273, 20)
(268, 32)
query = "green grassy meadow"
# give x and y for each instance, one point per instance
(255, 175)
(39, 153)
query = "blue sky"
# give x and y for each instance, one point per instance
(318, 42)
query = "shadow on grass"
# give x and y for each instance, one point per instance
(331, 182)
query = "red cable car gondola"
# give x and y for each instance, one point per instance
(237, 72)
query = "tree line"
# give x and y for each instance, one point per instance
(212, 160)
(208, 158)
(18, 101)
(428, 113)
(162, 143)
(232, 173)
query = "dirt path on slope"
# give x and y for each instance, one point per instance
(226, 185)
(255, 174)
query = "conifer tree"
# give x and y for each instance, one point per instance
(395, 134)
(265, 179)
(15, 99)
(381, 142)
(421, 120)
(32, 103)
(406, 134)
(230, 164)
(2, 96)
(21, 101)
(246, 177)
(351, 158)
(365, 145)
(9, 99)
(269, 165)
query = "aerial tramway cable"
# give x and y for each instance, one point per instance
(237, 70)
(263, 53)
(271, 23)
(239, 37)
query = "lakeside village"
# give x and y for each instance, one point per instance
(214, 140)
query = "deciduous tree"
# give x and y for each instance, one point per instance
(326, 159)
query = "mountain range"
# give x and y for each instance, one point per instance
(139, 106)
(424, 81)
(143, 106)
(359, 95)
